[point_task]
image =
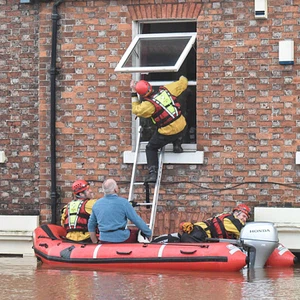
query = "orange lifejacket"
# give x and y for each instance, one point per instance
(167, 108)
(217, 229)
(76, 216)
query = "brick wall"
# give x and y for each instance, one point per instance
(19, 138)
(247, 105)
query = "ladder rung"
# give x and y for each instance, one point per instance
(141, 204)
(143, 183)
(134, 183)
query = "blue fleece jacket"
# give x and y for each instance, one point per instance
(111, 214)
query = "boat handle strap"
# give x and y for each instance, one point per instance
(187, 252)
(124, 253)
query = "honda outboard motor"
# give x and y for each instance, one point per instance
(259, 239)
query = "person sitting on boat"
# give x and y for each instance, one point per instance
(225, 225)
(111, 214)
(75, 214)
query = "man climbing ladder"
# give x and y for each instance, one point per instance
(165, 111)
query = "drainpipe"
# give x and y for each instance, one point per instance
(53, 72)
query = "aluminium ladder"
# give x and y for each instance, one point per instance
(133, 182)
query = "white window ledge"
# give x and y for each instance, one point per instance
(286, 221)
(192, 158)
(16, 234)
(298, 158)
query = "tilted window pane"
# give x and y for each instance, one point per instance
(152, 53)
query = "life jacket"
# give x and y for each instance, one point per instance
(77, 218)
(167, 108)
(217, 229)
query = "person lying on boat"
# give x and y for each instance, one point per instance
(111, 214)
(225, 225)
(75, 214)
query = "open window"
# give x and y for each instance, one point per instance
(160, 53)
(164, 52)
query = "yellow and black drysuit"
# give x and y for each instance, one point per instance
(165, 112)
(74, 218)
(225, 226)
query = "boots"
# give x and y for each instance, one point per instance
(177, 146)
(151, 178)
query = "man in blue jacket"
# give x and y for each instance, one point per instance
(111, 214)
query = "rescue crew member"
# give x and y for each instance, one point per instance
(111, 214)
(165, 111)
(76, 213)
(225, 225)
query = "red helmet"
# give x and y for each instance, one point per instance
(144, 88)
(243, 208)
(79, 186)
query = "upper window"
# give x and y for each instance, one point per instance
(160, 53)
(164, 52)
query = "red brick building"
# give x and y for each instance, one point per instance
(243, 114)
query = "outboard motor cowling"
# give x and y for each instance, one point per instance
(259, 239)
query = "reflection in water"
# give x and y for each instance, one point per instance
(130, 285)
(21, 278)
(272, 283)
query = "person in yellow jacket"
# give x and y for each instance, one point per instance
(75, 214)
(165, 111)
(226, 226)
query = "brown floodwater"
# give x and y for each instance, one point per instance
(24, 278)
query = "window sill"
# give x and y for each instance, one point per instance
(194, 158)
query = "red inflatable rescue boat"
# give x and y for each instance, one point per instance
(281, 257)
(51, 248)
(257, 248)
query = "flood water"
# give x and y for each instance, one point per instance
(24, 278)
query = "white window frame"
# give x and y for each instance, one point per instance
(162, 36)
(190, 154)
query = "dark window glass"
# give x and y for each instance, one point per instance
(188, 69)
